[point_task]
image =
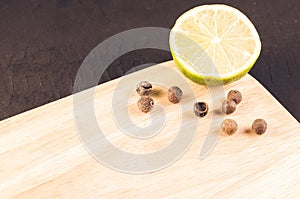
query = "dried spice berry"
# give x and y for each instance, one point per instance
(145, 104)
(229, 126)
(200, 109)
(228, 106)
(144, 88)
(235, 95)
(175, 94)
(259, 126)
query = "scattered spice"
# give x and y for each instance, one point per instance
(228, 106)
(229, 126)
(145, 104)
(175, 94)
(144, 88)
(235, 95)
(200, 109)
(259, 126)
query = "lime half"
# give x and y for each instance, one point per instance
(214, 44)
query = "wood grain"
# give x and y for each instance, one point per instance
(42, 157)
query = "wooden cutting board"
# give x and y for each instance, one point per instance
(41, 155)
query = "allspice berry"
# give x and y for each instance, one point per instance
(228, 106)
(145, 104)
(200, 109)
(175, 94)
(235, 95)
(229, 126)
(259, 126)
(144, 88)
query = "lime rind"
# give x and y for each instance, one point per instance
(210, 80)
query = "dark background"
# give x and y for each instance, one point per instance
(43, 44)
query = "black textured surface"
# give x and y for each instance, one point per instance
(44, 42)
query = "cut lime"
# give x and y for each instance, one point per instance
(214, 44)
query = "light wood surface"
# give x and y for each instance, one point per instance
(41, 155)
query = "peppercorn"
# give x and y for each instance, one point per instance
(144, 88)
(259, 126)
(235, 95)
(228, 106)
(175, 94)
(229, 126)
(145, 104)
(200, 109)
